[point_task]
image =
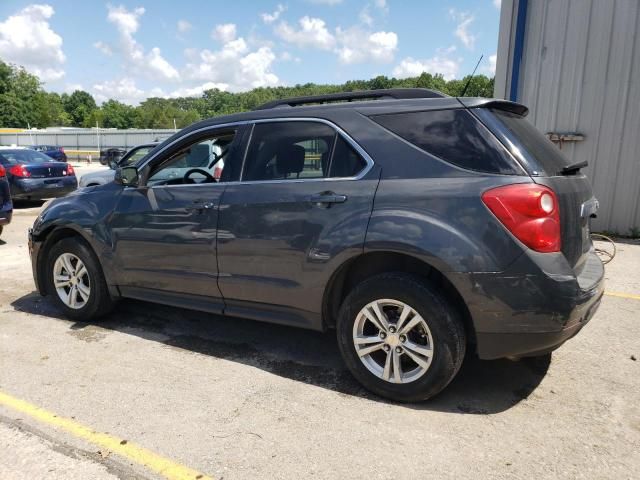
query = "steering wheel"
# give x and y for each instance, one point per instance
(207, 175)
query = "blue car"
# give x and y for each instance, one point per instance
(6, 207)
(35, 176)
(53, 151)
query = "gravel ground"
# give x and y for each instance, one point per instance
(239, 400)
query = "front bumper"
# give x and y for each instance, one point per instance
(40, 188)
(533, 307)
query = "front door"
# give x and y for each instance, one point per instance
(299, 211)
(164, 232)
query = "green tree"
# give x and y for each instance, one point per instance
(79, 105)
(118, 115)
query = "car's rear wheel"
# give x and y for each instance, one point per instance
(400, 337)
(75, 280)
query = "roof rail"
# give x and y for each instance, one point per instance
(390, 93)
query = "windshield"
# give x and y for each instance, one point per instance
(24, 156)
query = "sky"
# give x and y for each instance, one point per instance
(132, 49)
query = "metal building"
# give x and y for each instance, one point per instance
(576, 65)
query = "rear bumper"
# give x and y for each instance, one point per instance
(40, 188)
(534, 307)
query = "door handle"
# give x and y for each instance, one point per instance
(327, 198)
(200, 206)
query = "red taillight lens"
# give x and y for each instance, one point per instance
(20, 171)
(3, 172)
(530, 212)
(70, 170)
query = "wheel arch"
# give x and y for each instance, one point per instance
(359, 268)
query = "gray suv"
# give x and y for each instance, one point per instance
(421, 227)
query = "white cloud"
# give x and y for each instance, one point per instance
(464, 19)
(234, 65)
(312, 33)
(441, 63)
(26, 38)
(183, 26)
(326, 2)
(224, 33)
(72, 87)
(123, 90)
(356, 45)
(272, 17)
(381, 3)
(491, 67)
(153, 65)
(497, 3)
(351, 45)
(365, 17)
(198, 90)
(104, 48)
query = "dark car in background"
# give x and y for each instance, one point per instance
(53, 151)
(132, 157)
(421, 227)
(35, 176)
(6, 206)
(111, 155)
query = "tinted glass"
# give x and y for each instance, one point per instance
(547, 155)
(455, 136)
(12, 157)
(288, 151)
(346, 162)
(135, 155)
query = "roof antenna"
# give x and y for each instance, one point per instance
(464, 90)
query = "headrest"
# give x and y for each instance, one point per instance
(290, 159)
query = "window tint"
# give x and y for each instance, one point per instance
(135, 155)
(346, 162)
(455, 136)
(201, 162)
(288, 150)
(534, 143)
(12, 157)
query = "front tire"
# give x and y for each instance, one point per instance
(400, 337)
(75, 281)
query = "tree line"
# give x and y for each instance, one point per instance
(24, 102)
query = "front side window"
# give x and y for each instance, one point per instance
(299, 150)
(135, 155)
(200, 162)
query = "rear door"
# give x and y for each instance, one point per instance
(299, 211)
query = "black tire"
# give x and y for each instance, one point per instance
(443, 321)
(1, 228)
(99, 302)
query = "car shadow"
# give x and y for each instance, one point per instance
(24, 204)
(481, 387)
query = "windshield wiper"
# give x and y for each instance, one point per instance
(574, 167)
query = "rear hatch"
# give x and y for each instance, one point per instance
(47, 170)
(548, 166)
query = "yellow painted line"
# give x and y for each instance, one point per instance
(623, 295)
(129, 450)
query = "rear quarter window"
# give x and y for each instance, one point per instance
(454, 136)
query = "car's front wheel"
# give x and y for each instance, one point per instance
(75, 280)
(400, 337)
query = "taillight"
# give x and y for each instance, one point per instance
(3, 172)
(70, 170)
(530, 212)
(19, 171)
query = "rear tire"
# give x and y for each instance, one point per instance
(400, 337)
(75, 281)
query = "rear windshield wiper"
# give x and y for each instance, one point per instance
(574, 167)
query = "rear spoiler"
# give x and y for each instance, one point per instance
(505, 105)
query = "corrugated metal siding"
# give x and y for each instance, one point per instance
(580, 72)
(85, 140)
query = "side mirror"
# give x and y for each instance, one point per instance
(127, 176)
(113, 164)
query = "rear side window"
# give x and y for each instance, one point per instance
(534, 144)
(454, 136)
(346, 162)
